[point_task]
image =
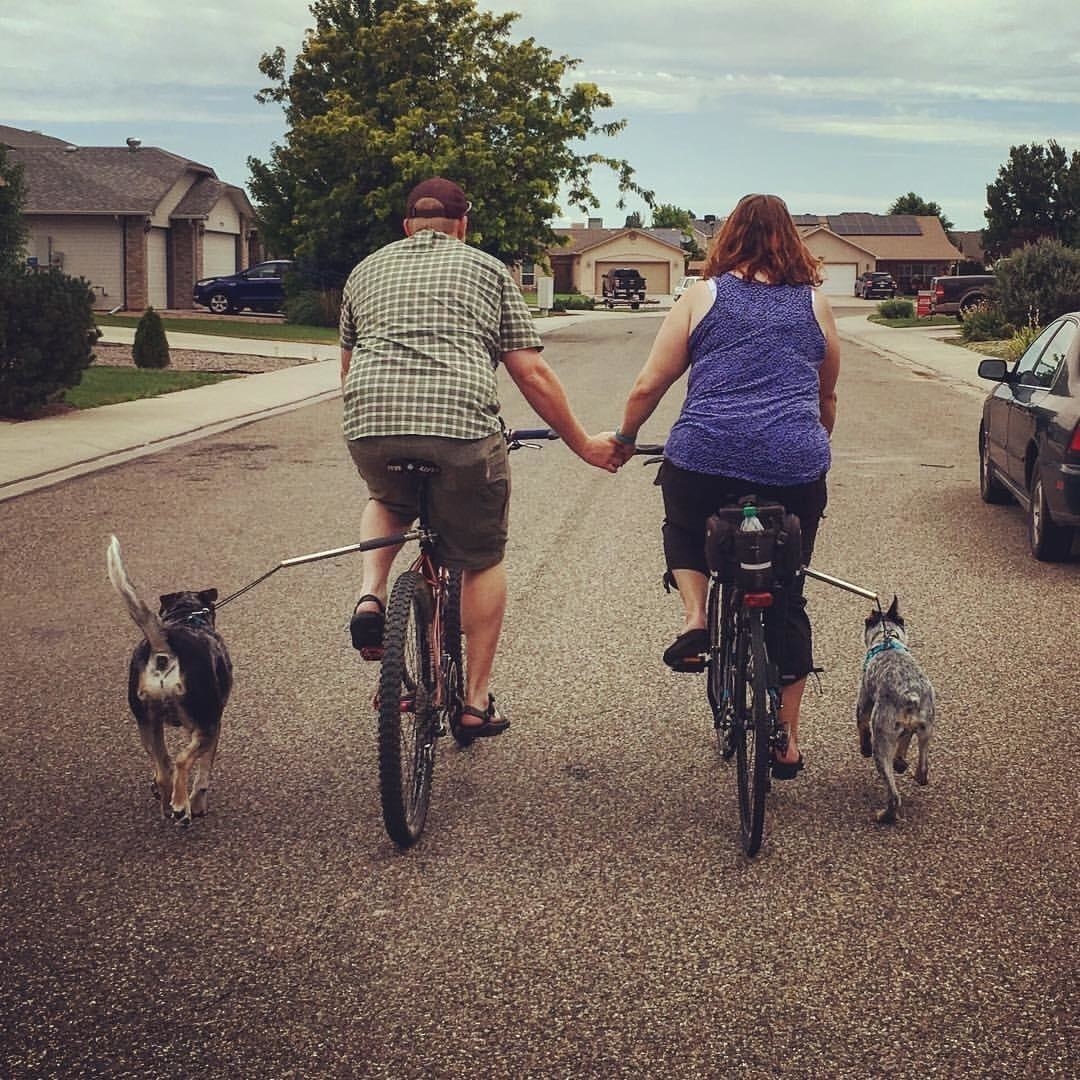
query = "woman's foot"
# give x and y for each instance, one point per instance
(687, 648)
(789, 764)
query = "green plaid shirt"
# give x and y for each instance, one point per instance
(428, 318)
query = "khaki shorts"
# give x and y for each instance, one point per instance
(468, 500)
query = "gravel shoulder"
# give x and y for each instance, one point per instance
(197, 360)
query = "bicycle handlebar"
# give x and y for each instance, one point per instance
(516, 435)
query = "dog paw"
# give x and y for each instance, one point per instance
(922, 777)
(181, 815)
(888, 815)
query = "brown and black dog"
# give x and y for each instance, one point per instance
(180, 675)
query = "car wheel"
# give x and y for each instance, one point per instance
(1049, 542)
(991, 488)
(219, 303)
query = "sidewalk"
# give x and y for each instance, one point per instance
(38, 453)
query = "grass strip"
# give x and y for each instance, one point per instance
(110, 385)
(231, 328)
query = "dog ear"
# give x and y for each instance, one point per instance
(894, 608)
(208, 596)
(168, 601)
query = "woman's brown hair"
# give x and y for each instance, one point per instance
(760, 238)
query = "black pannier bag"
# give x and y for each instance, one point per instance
(778, 547)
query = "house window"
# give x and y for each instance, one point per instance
(528, 273)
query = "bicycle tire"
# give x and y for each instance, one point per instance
(453, 660)
(719, 685)
(753, 728)
(407, 731)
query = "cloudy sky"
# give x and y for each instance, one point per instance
(835, 105)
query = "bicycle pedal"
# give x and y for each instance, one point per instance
(371, 652)
(691, 665)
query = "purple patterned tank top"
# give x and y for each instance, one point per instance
(752, 409)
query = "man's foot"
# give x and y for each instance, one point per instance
(367, 623)
(483, 723)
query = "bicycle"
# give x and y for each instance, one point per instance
(743, 683)
(422, 673)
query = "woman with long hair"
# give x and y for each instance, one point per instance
(761, 346)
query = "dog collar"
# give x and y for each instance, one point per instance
(882, 646)
(199, 618)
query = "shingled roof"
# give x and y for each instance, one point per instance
(100, 179)
(580, 240)
(13, 137)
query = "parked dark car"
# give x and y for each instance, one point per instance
(1029, 439)
(875, 283)
(260, 287)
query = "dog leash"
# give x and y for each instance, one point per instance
(316, 556)
(858, 590)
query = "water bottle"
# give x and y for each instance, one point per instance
(754, 548)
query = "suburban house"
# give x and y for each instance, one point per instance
(911, 248)
(589, 251)
(140, 224)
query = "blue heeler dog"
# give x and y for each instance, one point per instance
(896, 702)
(179, 675)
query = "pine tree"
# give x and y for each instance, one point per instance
(151, 348)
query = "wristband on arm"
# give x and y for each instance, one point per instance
(625, 440)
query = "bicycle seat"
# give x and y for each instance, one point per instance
(416, 465)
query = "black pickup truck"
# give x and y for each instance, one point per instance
(955, 294)
(623, 286)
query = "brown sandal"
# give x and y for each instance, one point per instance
(494, 723)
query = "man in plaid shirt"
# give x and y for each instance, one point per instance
(425, 321)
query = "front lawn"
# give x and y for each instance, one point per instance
(926, 320)
(109, 385)
(231, 327)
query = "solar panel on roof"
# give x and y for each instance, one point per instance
(874, 225)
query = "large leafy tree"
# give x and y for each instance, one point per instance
(1036, 195)
(385, 93)
(669, 216)
(13, 230)
(915, 204)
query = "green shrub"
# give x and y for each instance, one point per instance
(1039, 282)
(577, 302)
(983, 321)
(896, 309)
(313, 307)
(1017, 345)
(151, 349)
(47, 334)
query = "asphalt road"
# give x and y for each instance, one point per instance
(578, 906)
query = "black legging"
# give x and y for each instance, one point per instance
(689, 499)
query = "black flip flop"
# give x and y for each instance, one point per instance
(494, 722)
(366, 627)
(787, 770)
(685, 652)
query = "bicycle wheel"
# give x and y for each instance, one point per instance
(407, 710)
(752, 728)
(720, 687)
(453, 662)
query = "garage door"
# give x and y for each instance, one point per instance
(657, 275)
(839, 279)
(219, 254)
(157, 272)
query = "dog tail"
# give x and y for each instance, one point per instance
(145, 619)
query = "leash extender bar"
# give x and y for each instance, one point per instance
(333, 553)
(841, 584)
